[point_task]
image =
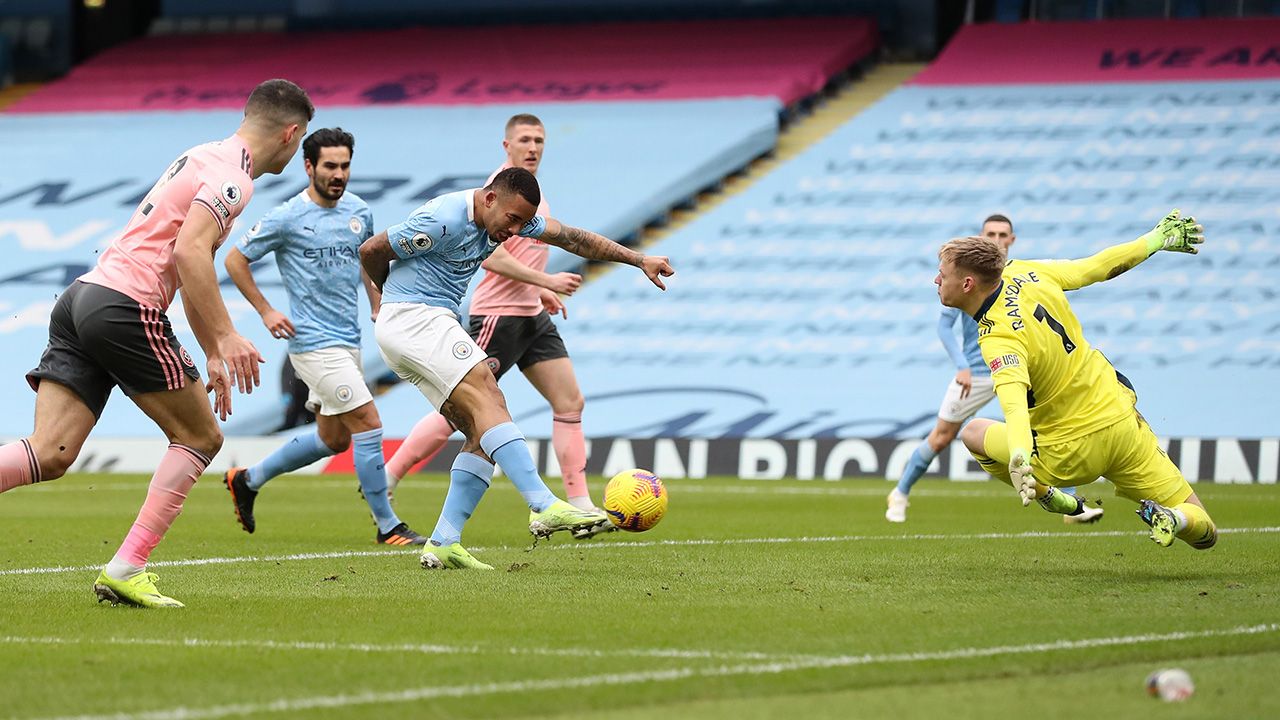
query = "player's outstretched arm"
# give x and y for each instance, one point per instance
(505, 264)
(593, 246)
(235, 358)
(375, 258)
(1174, 233)
(238, 268)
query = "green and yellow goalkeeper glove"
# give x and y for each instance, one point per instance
(1175, 234)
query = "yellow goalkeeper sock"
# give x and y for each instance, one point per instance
(1196, 528)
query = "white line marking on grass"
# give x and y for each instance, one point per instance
(872, 487)
(418, 648)
(771, 668)
(630, 544)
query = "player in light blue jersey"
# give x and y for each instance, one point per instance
(968, 393)
(423, 266)
(316, 238)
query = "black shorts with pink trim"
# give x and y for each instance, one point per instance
(100, 338)
(511, 341)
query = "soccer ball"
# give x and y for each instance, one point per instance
(635, 500)
(1172, 685)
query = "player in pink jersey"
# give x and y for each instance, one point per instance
(110, 329)
(510, 319)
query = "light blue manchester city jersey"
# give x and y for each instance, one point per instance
(971, 355)
(438, 250)
(318, 252)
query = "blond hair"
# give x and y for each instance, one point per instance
(977, 255)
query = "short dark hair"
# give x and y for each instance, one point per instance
(519, 181)
(523, 119)
(999, 218)
(327, 137)
(279, 102)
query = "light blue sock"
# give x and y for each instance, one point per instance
(1068, 490)
(367, 454)
(916, 466)
(468, 479)
(299, 452)
(505, 444)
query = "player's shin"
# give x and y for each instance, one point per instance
(506, 445)
(571, 452)
(367, 456)
(299, 452)
(1195, 527)
(468, 480)
(1055, 500)
(175, 476)
(18, 465)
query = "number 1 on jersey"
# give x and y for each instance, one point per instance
(1043, 316)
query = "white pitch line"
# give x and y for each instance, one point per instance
(415, 648)
(730, 487)
(772, 668)
(632, 544)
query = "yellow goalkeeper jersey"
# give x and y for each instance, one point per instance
(1029, 334)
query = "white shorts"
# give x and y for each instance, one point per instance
(956, 409)
(426, 346)
(334, 377)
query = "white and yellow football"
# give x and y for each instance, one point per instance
(635, 500)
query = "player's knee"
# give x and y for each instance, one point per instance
(337, 443)
(1207, 540)
(569, 405)
(207, 440)
(973, 436)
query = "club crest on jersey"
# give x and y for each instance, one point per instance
(356, 226)
(422, 241)
(1002, 362)
(231, 193)
(461, 350)
(186, 358)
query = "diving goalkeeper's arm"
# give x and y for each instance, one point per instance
(1174, 233)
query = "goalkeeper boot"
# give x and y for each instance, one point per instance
(139, 590)
(560, 515)
(1083, 515)
(401, 534)
(450, 557)
(242, 497)
(897, 510)
(1164, 524)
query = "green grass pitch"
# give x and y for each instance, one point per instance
(750, 600)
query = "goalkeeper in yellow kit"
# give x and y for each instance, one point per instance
(1067, 419)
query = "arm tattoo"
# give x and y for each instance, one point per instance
(591, 246)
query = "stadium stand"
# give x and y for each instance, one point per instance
(805, 307)
(787, 59)
(61, 208)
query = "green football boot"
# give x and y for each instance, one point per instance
(560, 515)
(1164, 526)
(139, 590)
(450, 557)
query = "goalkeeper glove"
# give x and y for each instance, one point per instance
(1175, 234)
(1020, 474)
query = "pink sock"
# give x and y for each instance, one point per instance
(571, 451)
(424, 441)
(174, 478)
(18, 465)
